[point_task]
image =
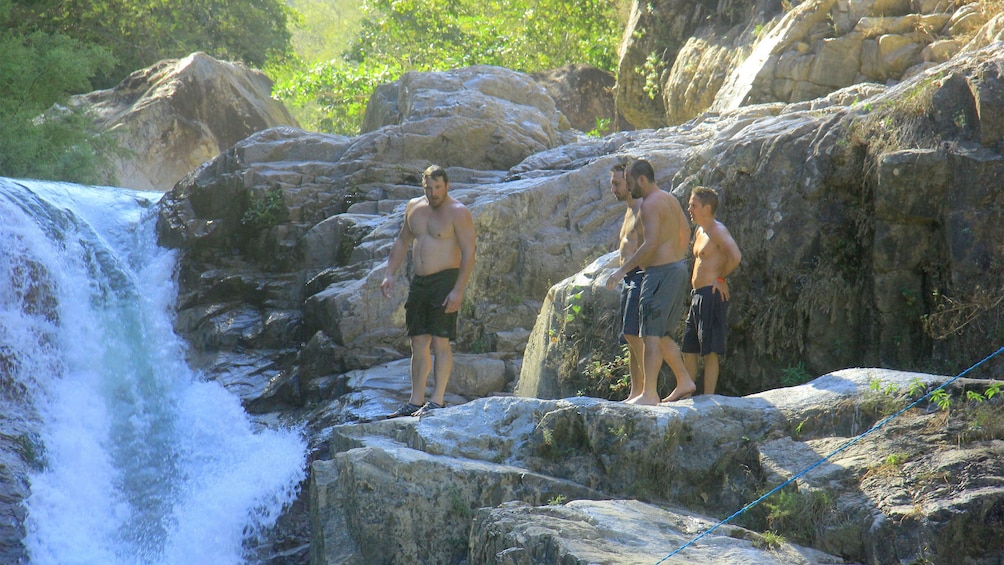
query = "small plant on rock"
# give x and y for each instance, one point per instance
(264, 210)
(795, 375)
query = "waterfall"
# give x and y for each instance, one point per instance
(139, 461)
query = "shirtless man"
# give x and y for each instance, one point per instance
(716, 255)
(630, 236)
(442, 230)
(664, 284)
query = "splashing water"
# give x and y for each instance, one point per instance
(140, 462)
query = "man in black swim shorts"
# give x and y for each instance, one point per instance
(424, 310)
(716, 256)
(440, 232)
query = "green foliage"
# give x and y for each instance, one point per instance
(139, 33)
(325, 28)
(574, 307)
(984, 421)
(796, 375)
(942, 399)
(885, 399)
(608, 379)
(265, 209)
(652, 71)
(32, 450)
(52, 50)
(403, 35)
(37, 71)
(601, 129)
(769, 540)
(557, 500)
(797, 514)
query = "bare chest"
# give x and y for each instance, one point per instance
(426, 222)
(703, 248)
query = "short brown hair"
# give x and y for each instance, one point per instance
(435, 171)
(707, 197)
(641, 168)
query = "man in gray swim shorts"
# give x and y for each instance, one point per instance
(664, 290)
(665, 283)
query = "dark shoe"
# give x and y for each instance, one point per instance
(406, 409)
(428, 407)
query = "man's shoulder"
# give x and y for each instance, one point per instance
(458, 207)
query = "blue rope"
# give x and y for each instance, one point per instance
(824, 459)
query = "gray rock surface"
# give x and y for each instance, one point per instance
(523, 480)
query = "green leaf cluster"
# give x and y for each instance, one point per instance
(138, 33)
(38, 70)
(54, 49)
(396, 36)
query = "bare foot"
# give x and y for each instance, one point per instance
(680, 393)
(643, 400)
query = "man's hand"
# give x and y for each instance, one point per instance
(613, 279)
(386, 286)
(722, 287)
(452, 302)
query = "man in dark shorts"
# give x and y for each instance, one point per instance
(716, 256)
(440, 231)
(664, 284)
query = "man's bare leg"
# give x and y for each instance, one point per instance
(691, 360)
(443, 367)
(421, 364)
(636, 366)
(685, 385)
(710, 373)
(653, 362)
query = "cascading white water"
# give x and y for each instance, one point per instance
(142, 463)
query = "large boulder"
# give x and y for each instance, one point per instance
(172, 117)
(481, 117)
(584, 94)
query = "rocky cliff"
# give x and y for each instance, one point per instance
(868, 214)
(867, 218)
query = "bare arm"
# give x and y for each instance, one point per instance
(463, 226)
(397, 253)
(722, 239)
(650, 225)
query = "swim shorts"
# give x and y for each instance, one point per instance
(663, 295)
(705, 329)
(424, 310)
(630, 295)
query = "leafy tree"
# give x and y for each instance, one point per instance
(401, 35)
(139, 33)
(37, 71)
(325, 28)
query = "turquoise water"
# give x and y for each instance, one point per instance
(141, 462)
